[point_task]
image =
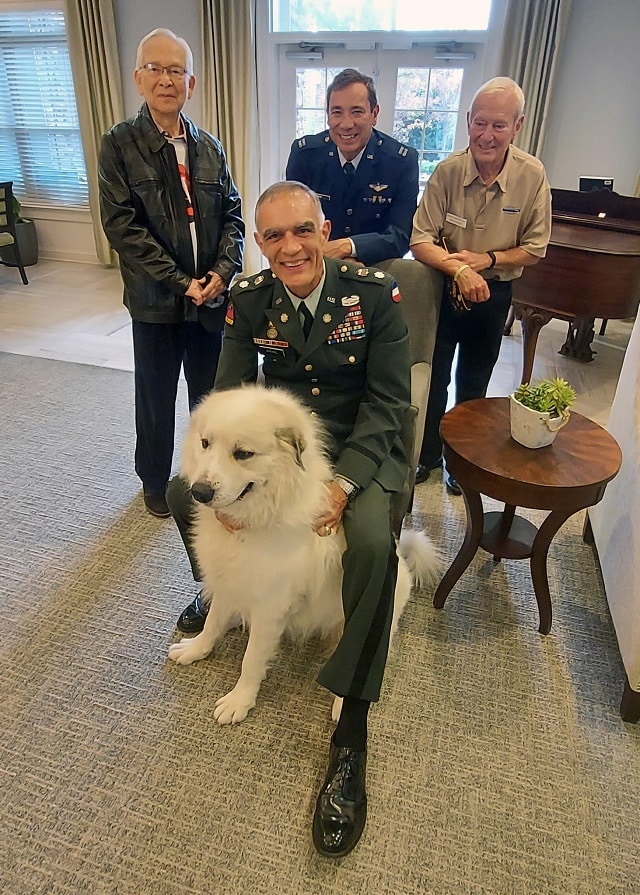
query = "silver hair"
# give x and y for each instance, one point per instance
(501, 84)
(288, 186)
(165, 32)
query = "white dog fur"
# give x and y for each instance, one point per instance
(258, 456)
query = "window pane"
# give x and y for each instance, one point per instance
(426, 112)
(40, 145)
(311, 95)
(380, 15)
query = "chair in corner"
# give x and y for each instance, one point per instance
(421, 290)
(8, 234)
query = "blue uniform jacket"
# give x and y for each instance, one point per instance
(377, 211)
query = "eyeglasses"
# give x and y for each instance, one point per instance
(175, 72)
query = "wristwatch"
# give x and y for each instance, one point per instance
(492, 255)
(348, 487)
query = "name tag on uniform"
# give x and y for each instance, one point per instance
(455, 219)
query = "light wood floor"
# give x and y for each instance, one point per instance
(74, 312)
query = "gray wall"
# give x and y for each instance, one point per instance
(594, 125)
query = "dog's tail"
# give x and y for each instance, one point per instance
(423, 558)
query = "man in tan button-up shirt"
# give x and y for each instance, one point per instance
(484, 216)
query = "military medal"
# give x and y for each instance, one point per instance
(272, 332)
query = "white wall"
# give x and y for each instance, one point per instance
(594, 125)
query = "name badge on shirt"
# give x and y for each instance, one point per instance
(455, 219)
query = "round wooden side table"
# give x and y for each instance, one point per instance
(564, 477)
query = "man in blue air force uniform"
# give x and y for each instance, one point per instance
(367, 181)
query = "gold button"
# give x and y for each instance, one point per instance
(315, 392)
(309, 367)
(352, 359)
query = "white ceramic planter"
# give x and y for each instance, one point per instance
(532, 428)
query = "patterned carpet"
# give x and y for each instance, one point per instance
(498, 761)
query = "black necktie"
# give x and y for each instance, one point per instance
(306, 319)
(349, 171)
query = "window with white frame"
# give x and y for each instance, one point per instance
(380, 15)
(40, 144)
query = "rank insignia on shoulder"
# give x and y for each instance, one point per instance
(403, 150)
(379, 275)
(243, 284)
(258, 280)
(229, 315)
(395, 295)
(344, 268)
(363, 271)
(302, 142)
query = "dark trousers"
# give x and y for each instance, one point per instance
(370, 564)
(159, 351)
(477, 335)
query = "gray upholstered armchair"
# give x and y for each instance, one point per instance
(421, 290)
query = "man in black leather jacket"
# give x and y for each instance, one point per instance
(171, 211)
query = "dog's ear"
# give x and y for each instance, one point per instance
(295, 441)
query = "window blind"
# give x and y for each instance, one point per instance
(40, 145)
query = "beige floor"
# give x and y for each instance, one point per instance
(74, 312)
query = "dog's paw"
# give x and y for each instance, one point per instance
(234, 707)
(188, 650)
(336, 708)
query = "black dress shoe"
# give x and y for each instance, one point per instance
(341, 806)
(192, 618)
(451, 485)
(156, 504)
(422, 473)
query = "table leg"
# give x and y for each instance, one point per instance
(505, 524)
(539, 553)
(630, 705)
(475, 524)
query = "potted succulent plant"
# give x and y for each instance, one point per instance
(538, 411)
(26, 237)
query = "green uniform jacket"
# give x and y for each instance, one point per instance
(354, 371)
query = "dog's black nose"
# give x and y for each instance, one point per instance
(202, 492)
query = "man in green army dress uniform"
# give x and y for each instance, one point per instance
(334, 335)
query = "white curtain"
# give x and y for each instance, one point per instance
(533, 36)
(230, 100)
(93, 49)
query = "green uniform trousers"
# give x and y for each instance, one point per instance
(370, 564)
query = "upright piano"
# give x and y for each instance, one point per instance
(592, 269)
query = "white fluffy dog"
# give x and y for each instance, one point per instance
(257, 458)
